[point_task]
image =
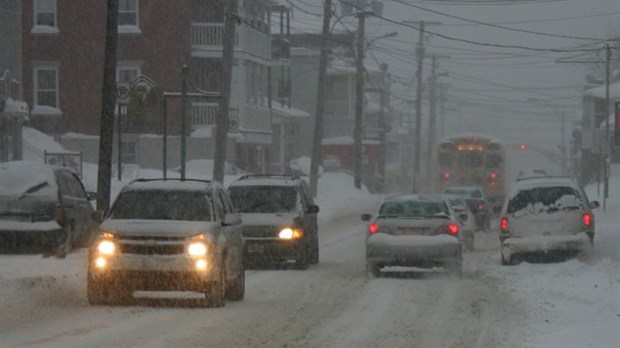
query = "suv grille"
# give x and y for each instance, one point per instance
(152, 245)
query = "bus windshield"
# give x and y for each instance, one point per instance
(470, 160)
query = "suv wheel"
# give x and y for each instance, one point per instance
(65, 241)
(235, 289)
(97, 291)
(315, 252)
(302, 261)
(215, 296)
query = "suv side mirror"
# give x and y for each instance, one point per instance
(91, 196)
(594, 204)
(97, 216)
(312, 209)
(232, 219)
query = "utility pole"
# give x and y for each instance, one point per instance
(223, 118)
(320, 101)
(418, 103)
(430, 137)
(108, 100)
(607, 134)
(359, 101)
(563, 149)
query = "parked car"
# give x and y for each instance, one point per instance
(279, 219)
(168, 235)
(413, 231)
(478, 203)
(43, 209)
(545, 215)
(468, 224)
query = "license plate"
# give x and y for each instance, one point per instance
(255, 248)
(413, 230)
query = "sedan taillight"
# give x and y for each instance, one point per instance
(453, 229)
(504, 225)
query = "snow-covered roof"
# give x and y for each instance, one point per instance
(175, 185)
(600, 91)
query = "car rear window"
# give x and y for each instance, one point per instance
(265, 199)
(162, 205)
(546, 198)
(412, 208)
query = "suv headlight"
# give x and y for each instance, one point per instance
(106, 244)
(197, 249)
(290, 233)
(199, 245)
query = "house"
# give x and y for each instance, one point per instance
(62, 70)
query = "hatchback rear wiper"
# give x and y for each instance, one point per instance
(34, 189)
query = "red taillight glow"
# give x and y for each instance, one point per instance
(586, 219)
(59, 214)
(373, 228)
(453, 229)
(503, 224)
(494, 175)
(481, 207)
(446, 175)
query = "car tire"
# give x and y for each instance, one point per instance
(455, 268)
(373, 268)
(235, 290)
(97, 291)
(65, 242)
(216, 294)
(302, 261)
(315, 252)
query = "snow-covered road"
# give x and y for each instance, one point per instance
(335, 304)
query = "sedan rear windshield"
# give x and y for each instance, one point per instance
(413, 209)
(162, 205)
(545, 198)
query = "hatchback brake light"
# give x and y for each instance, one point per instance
(586, 219)
(373, 228)
(481, 207)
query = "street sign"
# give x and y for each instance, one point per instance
(122, 93)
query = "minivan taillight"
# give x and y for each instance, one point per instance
(453, 229)
(503, 224)
(373, 228)
(586, 219)
(59, 214)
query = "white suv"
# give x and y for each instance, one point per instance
(545, 215)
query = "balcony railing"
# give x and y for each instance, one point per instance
(209, 37)
(205, 114)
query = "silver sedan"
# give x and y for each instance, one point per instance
(413, 231)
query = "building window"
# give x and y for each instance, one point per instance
(128, 16)
(127, 72)
(45, 17)
(46, 86)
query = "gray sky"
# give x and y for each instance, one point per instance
(491, 87)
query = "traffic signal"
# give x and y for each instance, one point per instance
(522, 147)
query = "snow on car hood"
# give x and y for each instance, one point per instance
(268, 219)
(156, 228)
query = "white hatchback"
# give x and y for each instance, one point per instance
(545, 215)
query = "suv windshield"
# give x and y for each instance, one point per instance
(464, 192)
(265, 199)
(413, 208)
(162, 205)
(549, 198)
